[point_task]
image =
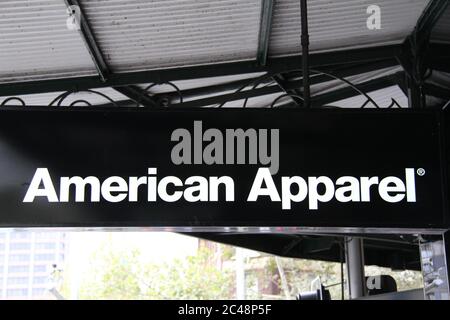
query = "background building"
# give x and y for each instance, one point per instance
(27, 261)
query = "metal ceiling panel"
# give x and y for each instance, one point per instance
(35, 42)
(339, 24)
(140, 35)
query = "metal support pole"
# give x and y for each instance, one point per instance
(415, 95)
(354, 257)
(305, 53)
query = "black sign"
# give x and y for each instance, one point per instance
(87, 167)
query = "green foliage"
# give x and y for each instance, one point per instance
(191, 278)
(121, 275)
(112, 275)
(227, 252)
(124, 275)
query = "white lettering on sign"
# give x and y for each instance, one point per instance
(346, 189)
(314, 190)
(230, 147)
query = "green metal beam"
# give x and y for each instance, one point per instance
(264, 31)
(89, 41)
(429, 18)
(274, 65)
(319, 100)
(137, 95)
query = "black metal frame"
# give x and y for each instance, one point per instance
(416, 56)
(137, 95)
(287, 88)
(411, 56)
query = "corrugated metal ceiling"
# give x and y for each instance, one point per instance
(36, 44)
(341, 24)
(142, 35)
(139, 34)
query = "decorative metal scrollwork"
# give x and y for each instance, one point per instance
(78, 101)
(369, 99)
(59, 99)
(285, 95)
(165, 99)
(257, 81)
(4, 102)
(347, 82)
(394, 103)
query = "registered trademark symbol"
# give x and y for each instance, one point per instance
(421, 172)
